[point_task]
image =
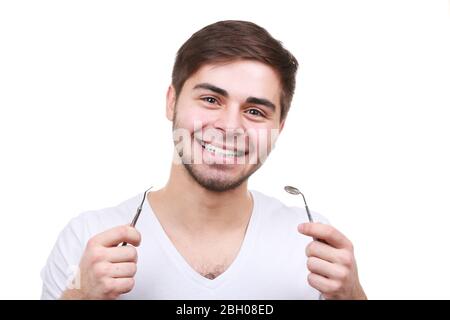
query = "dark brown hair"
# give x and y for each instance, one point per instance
(230, 40)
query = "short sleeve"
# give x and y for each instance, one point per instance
(317, 217)
(62, 264)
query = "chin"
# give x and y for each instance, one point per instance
(212, 178)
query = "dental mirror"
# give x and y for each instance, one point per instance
(295, 191)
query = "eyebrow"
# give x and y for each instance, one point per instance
(213, 88)
(260, 101)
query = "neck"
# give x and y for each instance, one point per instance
(187, 204)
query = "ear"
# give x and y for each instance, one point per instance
(282, 124)
(170, 102)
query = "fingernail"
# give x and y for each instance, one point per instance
(301, 227)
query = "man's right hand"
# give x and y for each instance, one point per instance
(106, 270)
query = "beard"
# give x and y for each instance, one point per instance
(218, 180)
(217, 183)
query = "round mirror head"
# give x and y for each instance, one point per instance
(292, 190)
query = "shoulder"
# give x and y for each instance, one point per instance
(275, 211)
(63, 260)
(92, 222)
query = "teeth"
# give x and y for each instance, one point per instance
(220, 151)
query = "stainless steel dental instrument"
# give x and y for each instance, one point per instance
(295, 191)
(138, 212)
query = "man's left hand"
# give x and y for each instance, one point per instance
(332, 263)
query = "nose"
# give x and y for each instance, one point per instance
(229, 121)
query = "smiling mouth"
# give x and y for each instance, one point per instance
(222, 152)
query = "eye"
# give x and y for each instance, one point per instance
(255, 112)
(210, 100)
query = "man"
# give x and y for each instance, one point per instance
(205, 235)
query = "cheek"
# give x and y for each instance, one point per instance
(260, 136)
(262, 141)
(192, 118)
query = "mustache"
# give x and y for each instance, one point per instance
(234, 140)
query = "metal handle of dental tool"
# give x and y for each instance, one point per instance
(138, 212)
(295, 191)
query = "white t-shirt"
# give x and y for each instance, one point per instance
(271, 263)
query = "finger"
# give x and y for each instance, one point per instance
(123, 270)
(323, 251)
(320, 267)
(321, 283)
(117, 235)
(121, 254)
(123, 285)
(325, 268)
(325, 232)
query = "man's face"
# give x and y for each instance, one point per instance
(225, 121)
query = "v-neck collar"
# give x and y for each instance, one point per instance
(180, 262)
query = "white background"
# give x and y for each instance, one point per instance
(82, 124)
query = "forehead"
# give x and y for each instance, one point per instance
(240, 79)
